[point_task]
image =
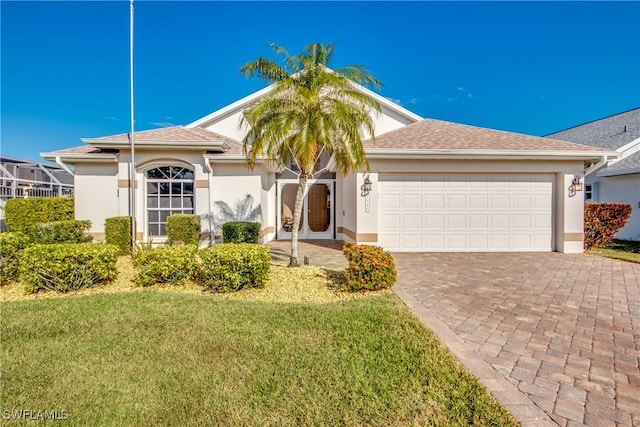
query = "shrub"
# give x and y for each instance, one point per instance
(602, 221)
(234, 266)
(71, 231)
(11, 245)
(370, 268)
(117, 231)
(67, 267)
(167, 264)
(183, 228)
(241, 232)
(23, 214)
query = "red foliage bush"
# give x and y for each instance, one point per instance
(370, 267)
(602, 221)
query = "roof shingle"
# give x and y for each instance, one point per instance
(610, 132)
(168, 134)
(630, 164)
(430, 134)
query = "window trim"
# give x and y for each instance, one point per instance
(159, 209)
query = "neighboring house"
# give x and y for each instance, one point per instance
(618, 179)
(432, 185)
(27, 178)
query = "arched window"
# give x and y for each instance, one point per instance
(169, 191)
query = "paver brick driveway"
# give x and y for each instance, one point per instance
(564, 329)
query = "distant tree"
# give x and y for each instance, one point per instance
(311, 110)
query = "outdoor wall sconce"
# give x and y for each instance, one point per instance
(576, 184)
(366, 187)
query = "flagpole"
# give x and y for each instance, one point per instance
(132, 170)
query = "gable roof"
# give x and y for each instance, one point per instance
(611, 132)
(105, 148)
(244, 102)
(173, 134)
(441, 136)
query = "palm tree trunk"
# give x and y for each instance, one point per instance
(297, 216)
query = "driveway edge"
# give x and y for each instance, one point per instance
(516, 402)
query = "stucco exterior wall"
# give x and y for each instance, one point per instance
(346, 193)
(385, 122)
(567, 212)
(623, 189)
(228, 126)
(242, 195)
(149, 159)
(96, 194)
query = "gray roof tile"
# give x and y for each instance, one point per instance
(610, 132)
(630, 164)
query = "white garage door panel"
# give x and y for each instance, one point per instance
(466, 212)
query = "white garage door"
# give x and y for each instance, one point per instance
(465, 212)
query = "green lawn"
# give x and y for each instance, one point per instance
(625, 250)
(170, 358)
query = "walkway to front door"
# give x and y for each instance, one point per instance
(322, 253)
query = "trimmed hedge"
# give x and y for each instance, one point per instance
(11, 245)
(241, 232)
(234, 266)
(183, 228)
(117, 231)
(370, 268)
(167, 264)
(67, 267)
(23, 214)
(602, 221)
(71, 231)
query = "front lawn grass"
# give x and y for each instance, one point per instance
(170, 358)
(625, 250)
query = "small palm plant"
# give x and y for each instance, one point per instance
(310, 111)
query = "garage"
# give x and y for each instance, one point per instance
(458, 212)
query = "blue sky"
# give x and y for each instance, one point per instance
(529, 67)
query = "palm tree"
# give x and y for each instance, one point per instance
(311, 110)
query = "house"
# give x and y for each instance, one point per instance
(613, 179)
(432, 185)
(28, 178)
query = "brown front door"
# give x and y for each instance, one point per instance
(317, 213)
(317, 207)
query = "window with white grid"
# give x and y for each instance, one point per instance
(169, 191)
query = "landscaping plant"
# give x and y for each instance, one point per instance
(310, 111)
(602, 221)
(11, 245)
(183, 228)
(23, 214)
(234, 266)
(69, 231)
(167, 264)
(240, 232)
(117, 231)
(67, 267)
(370, 268)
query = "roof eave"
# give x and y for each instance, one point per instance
(81, 157)
(629, 171)
(377, 153)
(189, 145)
